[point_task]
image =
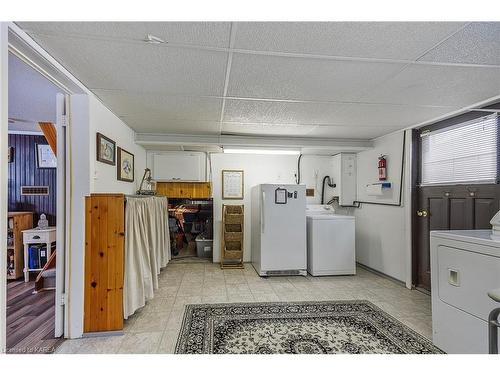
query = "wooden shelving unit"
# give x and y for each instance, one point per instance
(16, 223)
(232, 236)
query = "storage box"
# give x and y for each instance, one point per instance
(204, 247)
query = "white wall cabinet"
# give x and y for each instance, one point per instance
(345, 177)
(178, 166)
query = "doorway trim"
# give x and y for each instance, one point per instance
(4, 123)
(471, 114)
(16, 41)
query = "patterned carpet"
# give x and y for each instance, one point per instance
(339, 327)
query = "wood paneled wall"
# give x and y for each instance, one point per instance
(23, 171)
(104, 262)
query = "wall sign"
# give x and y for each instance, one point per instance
(232, 184)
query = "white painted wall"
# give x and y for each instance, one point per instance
(383, 233)
(32, 97)
(367, 172)
(260, 169)
(104, 179)
(89, 115)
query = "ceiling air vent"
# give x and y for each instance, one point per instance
(34, 190)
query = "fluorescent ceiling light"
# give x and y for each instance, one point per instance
(262, 151)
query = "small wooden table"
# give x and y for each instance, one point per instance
(37, 236)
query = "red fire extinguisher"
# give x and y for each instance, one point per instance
(382, 168)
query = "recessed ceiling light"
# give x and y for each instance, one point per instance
(150, 38)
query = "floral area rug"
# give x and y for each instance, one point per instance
(338, 327)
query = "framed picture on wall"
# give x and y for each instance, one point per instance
(45, 158)
(105, 148)
(232, 184)
(125, 165)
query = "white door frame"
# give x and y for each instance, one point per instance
(15, 40)
(61, 203)
(4, 123)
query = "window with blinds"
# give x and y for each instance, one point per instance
(464, 153)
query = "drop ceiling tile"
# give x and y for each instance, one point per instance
(160, 125)
(139, 67)
(350, 132)
(167, 107)
(478, 43)
(213, 34)
(259, 76)
(389, 40)
(386, 115)
(280, 112)
(266, 129)
(439, 85)
(359, 114)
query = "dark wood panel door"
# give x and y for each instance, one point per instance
(449, 208)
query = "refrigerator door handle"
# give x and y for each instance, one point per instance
(262, 215)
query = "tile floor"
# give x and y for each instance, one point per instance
(154, 328)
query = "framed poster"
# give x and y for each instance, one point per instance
(105, 148)
(125, 166)
(45, 158)
(232, 184)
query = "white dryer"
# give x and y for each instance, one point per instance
(465, 266)
(330, 242)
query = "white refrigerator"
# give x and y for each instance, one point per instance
(279, 229)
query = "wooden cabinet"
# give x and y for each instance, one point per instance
(17, 222)
(190, 190)
(104, 262)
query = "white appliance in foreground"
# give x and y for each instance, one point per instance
(279, 229)
(465, 266)
(330, 242)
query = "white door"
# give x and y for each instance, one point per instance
(284, 228)
(61, 107)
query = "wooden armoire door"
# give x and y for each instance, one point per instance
(104, 262)
(451, 207)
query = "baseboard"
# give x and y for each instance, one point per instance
(381, 274)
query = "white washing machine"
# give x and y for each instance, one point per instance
(330, 242)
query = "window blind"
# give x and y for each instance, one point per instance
(464, 153)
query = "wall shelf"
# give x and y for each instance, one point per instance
(15, 253)
(232, 236)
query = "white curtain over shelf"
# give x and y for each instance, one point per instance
(147, 249)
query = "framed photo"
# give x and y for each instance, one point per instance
(232, 184)
(125, 165)
(11, 154)
(45, 158)
(105, 148)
